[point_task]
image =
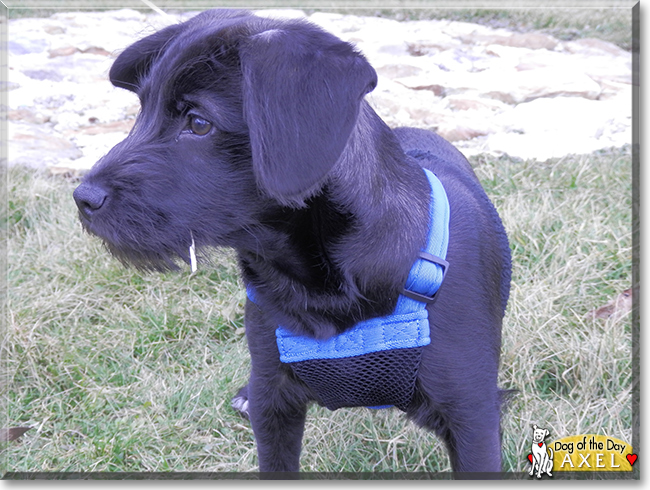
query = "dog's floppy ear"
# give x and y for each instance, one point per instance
(302, 91)
(136, 60)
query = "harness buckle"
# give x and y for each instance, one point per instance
(421, 297)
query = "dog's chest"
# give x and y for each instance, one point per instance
(375, 363)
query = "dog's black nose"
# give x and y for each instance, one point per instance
(89, 198)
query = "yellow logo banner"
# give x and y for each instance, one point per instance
(592, 453)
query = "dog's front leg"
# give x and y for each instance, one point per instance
(277, 402)
(540, 465)
(278, 425)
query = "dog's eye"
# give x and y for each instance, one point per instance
(199, 126)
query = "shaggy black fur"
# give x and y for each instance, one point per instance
(254, 134)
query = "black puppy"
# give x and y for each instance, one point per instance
(254, 134)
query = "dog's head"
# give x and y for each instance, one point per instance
(539, 434)
(238, 113)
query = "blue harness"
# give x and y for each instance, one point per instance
(343, 370)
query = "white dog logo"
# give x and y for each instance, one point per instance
(541, 460)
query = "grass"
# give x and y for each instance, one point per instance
(116, 371)
(563, 20)
(613, 25)
(569, 224)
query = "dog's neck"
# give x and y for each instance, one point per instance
(388, 195)
(344, 257)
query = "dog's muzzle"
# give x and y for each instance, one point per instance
(89, 199)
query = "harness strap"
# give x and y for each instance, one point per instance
(429, 270)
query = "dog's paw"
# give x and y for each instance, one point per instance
(240, 402)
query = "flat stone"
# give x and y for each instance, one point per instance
(96, 50)
(44, 75)
(112, 127)
(21, 45)
(36, 146)
(573, 125)
(63, 51)
(459, 133)
(593, 46)
(398, 71)
(528, 85)
(54, 30)
(530, 40)
(469, 103)
(432, 87)
(27, 116)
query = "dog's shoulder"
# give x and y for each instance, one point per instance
(464, 191)
(436, 154)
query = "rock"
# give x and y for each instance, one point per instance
(96, 50)
(398, 71)
(27, 116)
(94, 147)
(122, 127)
(435, 88)
(459, 133)
(530, 40)
(467, 102)
(508, 84)
(488, 90)
(524, 86)
(63, 51)
(6, 86)
(400, 106)
(21, 45)
(54, 30)
(36, 146)
(594, 46)
(43, 75)
(554, 127)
